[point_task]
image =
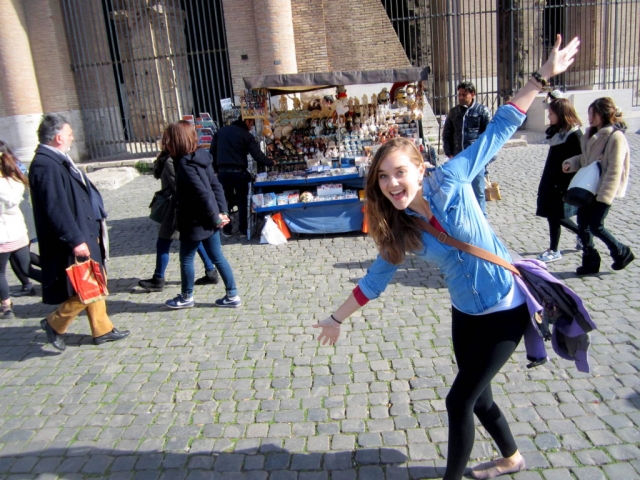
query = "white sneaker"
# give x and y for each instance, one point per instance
(549, 256)
(228, 302)
(180, 302)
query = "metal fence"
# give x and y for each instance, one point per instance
(141, 64)
(497, 44)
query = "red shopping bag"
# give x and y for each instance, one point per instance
(88, 281)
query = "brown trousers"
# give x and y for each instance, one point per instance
(97, 312)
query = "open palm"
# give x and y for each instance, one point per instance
(560, 59)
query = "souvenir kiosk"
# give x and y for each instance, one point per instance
(322, 146)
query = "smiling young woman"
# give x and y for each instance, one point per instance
(489, 312)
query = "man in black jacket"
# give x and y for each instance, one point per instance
(69, 216)
(229, 149)
(464, 124)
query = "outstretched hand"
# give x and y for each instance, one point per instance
(560, 59)
(330, 331)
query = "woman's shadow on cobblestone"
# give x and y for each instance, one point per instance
(411, 273)
(132, 236)
(260, 463)
(137, 236)
(22, 343)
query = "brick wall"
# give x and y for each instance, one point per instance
(360, 36)
(241, 40)
(276, 42)
(311, 32)
(344, 35)
(18, 84)
(328, 35)
(50, 53)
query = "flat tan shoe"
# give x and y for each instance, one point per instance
(491, 470)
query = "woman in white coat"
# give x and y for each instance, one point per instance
(13, 230)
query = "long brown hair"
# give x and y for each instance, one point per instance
(179, 139)
(610, 114)
(393, 231)
(9, 165)
(567, 116)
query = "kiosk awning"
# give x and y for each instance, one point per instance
(305, 82)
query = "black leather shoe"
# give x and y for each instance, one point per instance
(154, 284)
(52, 336)
(113, 336)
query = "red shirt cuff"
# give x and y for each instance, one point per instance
(359, 296)
(517, 108)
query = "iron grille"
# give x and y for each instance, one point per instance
(497, 44)
(141, 64)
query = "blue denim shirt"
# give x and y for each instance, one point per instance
(474, 284)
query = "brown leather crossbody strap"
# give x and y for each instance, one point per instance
(467, 247)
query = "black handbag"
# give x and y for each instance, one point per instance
(160, 205)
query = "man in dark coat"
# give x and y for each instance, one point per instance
(229, 149)
(465, 122)
(69, 216)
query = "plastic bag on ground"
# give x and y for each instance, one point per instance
(271, 234)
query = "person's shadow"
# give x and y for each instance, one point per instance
(18, 344)
(132, 236)
(412, 273)
(260, 462)
(39, 311)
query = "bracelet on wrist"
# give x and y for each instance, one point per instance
(336, 320)
(540, 79)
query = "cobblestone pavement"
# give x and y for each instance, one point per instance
(249, 394)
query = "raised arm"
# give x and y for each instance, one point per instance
(558, 61)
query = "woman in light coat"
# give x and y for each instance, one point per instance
(604, 141)
(13, 230)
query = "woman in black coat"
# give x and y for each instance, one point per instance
(166, 173)
(201, 211)
(564, 139)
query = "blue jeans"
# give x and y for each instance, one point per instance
(213, 247)
(163, 246)
(478, 188)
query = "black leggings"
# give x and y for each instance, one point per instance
(482, 345)
(17, 261)
(554, 230)
(23, 257)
